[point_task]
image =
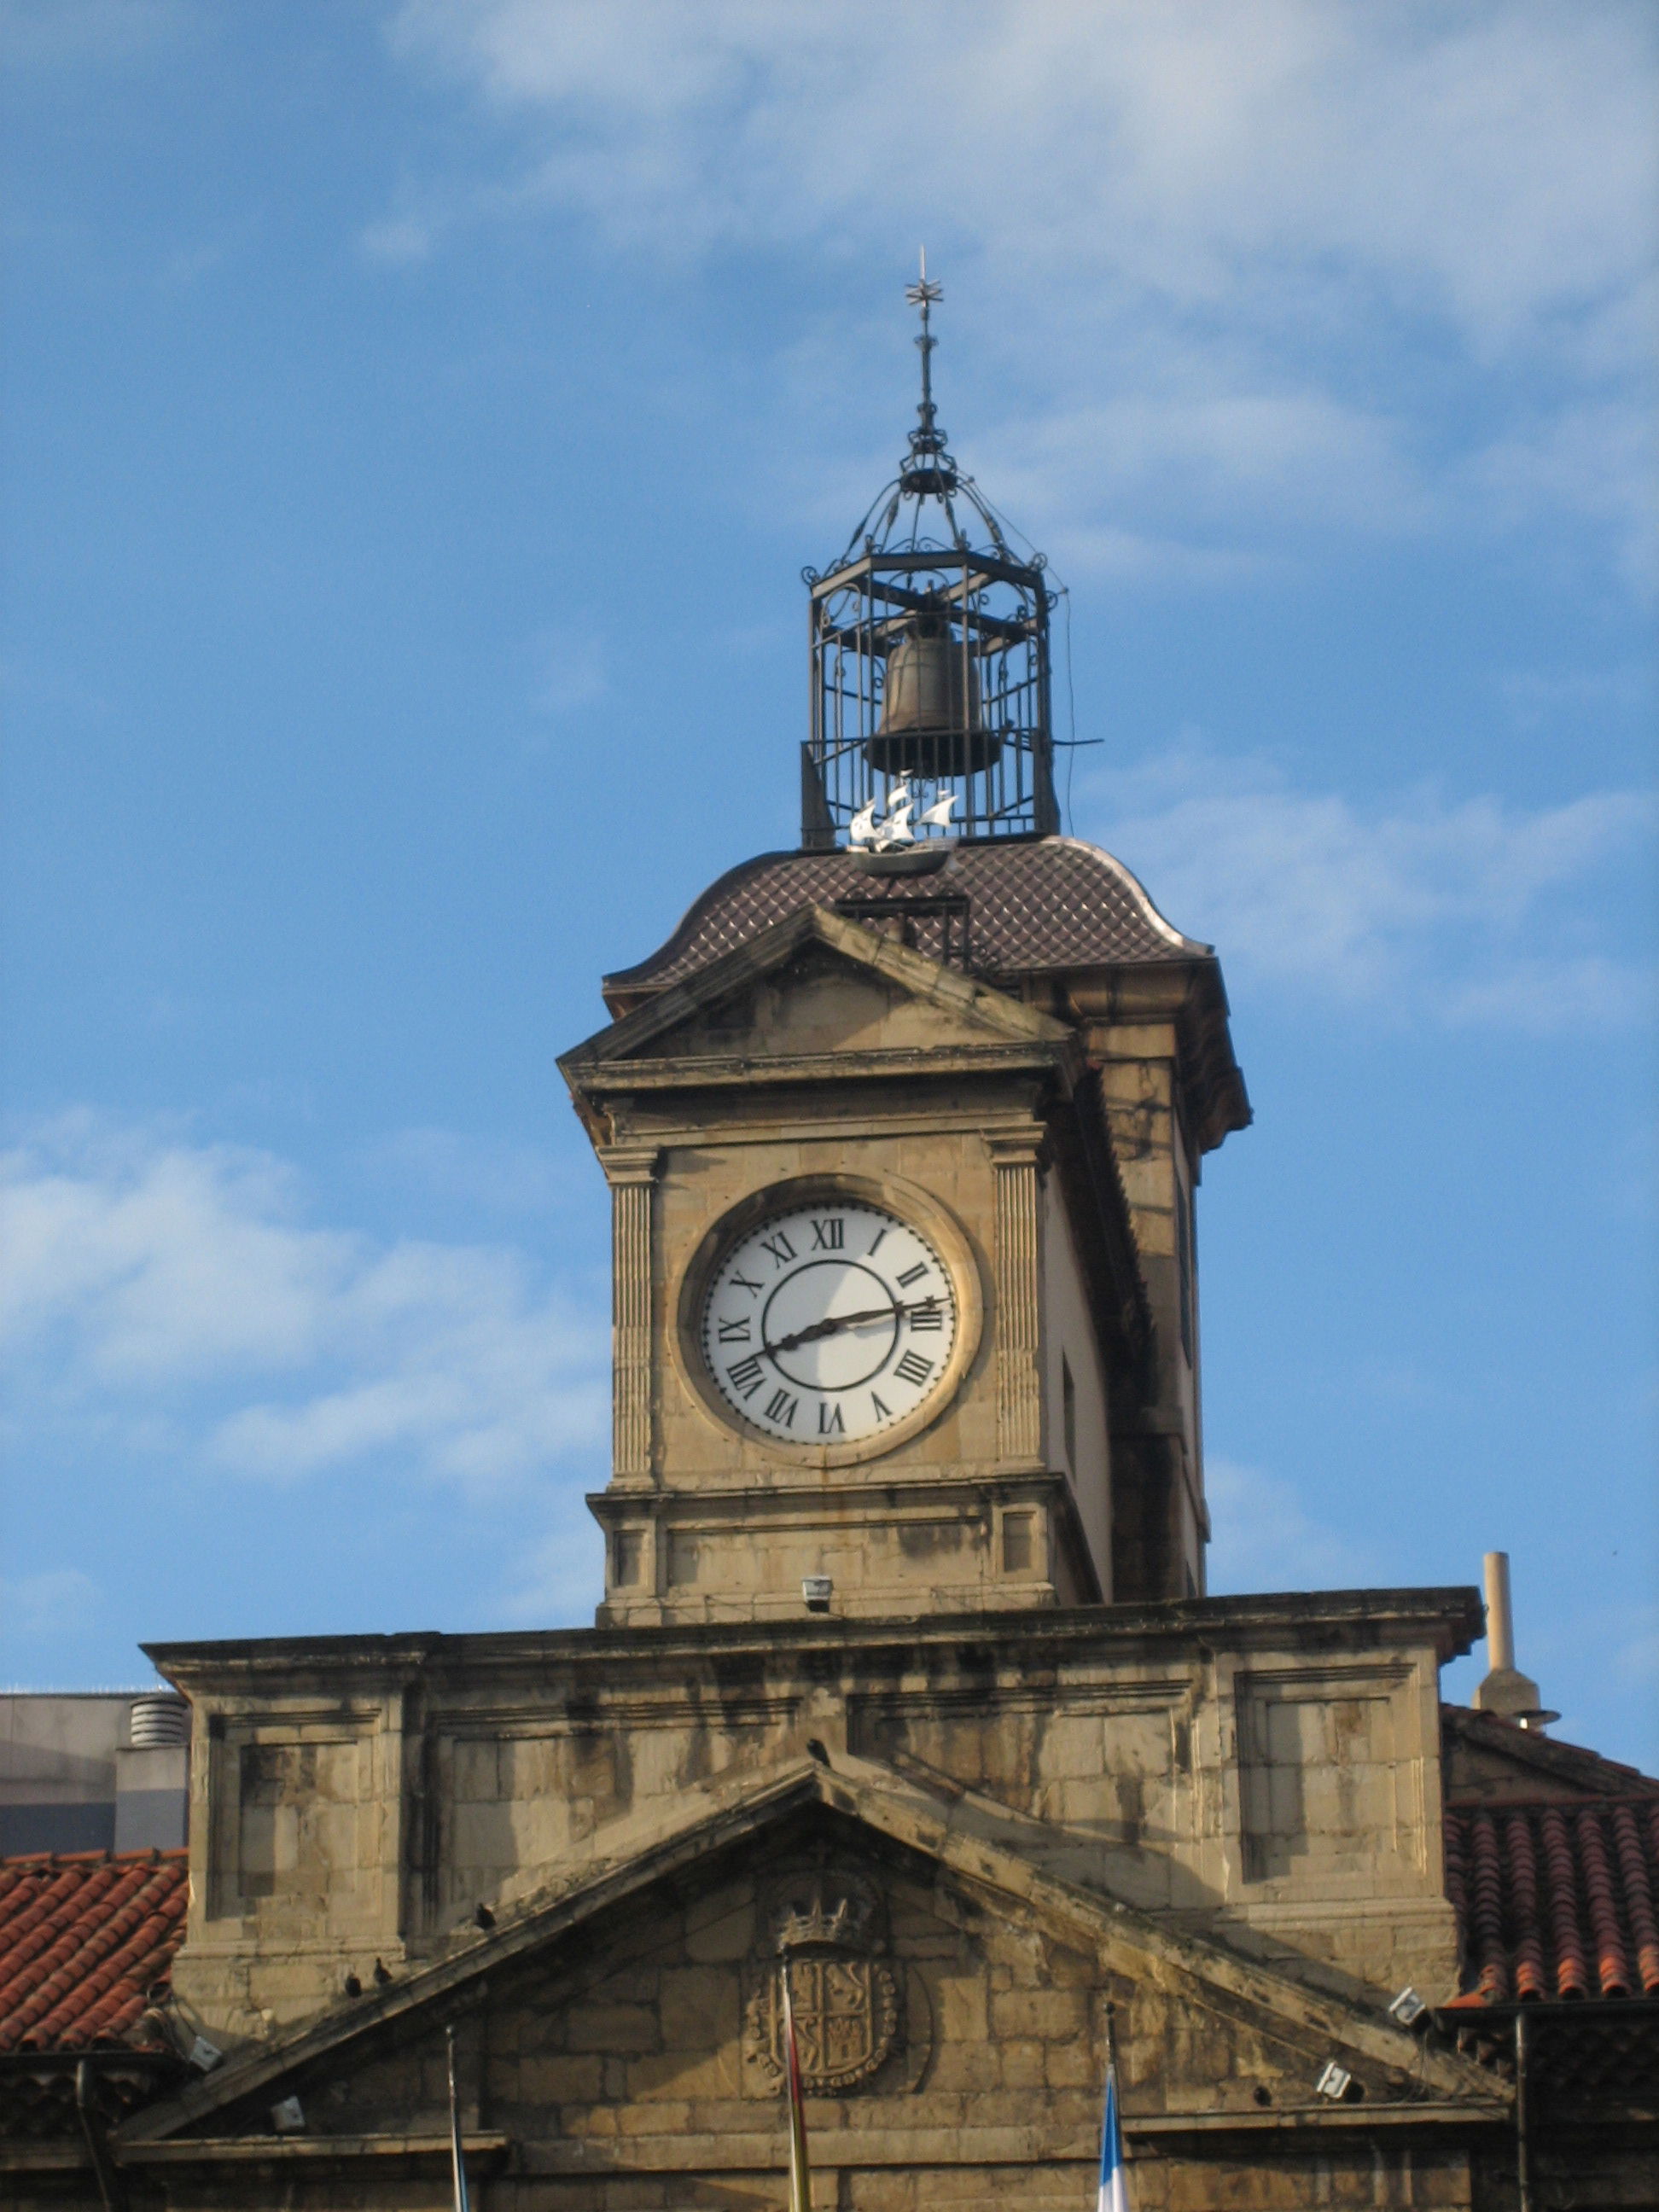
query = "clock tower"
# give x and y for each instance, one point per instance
(902, 1131)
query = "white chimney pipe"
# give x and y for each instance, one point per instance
(1504, 1691)
(1500, 1621)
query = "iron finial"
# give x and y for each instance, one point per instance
(926, 295)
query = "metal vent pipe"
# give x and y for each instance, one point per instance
(158, 1721)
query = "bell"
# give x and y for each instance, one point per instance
(929, 727)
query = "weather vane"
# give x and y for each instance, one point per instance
(924, 294)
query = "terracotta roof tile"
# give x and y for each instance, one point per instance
(1047, 902)
(83, 1938)
(1555, 1900)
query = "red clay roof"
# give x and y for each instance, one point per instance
(1555, 1899)
(84, 1936)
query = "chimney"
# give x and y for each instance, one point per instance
(1504, 1692)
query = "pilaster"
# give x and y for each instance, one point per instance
(631, 1172)
(1017, 1158)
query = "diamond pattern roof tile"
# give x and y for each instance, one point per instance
(84, 1937)
(1555, 1899)
(1048, 902)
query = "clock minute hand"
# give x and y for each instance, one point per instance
(815, 1330)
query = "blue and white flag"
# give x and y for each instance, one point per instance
(1113, 2182)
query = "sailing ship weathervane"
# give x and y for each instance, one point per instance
(930, 662)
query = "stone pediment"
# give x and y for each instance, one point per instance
(632, 2005)
(815, 991)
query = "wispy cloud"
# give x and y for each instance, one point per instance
(569, 659)
(1264, 1539)
(1223, 216)
(399, 240)
(1460, 909)
(174, 1293)
(58, 1601)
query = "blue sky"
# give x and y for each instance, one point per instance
(418, 417)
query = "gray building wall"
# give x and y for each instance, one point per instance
(72, 1780)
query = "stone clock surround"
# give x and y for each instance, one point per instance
(821, 1056)
(1060, 927)
(896, 1194)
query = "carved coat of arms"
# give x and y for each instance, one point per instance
(825, 1932)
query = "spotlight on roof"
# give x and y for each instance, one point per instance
(1335, 2083)
(1408, 2008)
(288, 2117)
(817, 1590)
(205, 2056)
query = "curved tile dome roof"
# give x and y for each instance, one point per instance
(1047, 904)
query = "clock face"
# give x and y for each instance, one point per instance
(829, 1322)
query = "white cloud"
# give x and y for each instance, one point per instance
(56, 1602)
(570, 663)
(1263, 1539)
(1237, 218)
(554, 1579)
(399, 240)
(173, 1292)
(1497, 160)
(1458, 908)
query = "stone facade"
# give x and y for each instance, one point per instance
(970, 1841)
(356, 1800)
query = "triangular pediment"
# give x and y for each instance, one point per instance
(646, 1978)
(816, 988)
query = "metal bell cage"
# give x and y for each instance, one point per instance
(930, 668)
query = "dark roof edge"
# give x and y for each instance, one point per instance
(1573, 1763)
(1456, 1610)
(624, 978)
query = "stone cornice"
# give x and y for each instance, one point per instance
(1451, 1619)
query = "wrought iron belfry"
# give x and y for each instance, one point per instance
(930, 654)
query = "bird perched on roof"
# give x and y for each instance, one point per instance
(816, 1750)
(484, 1918)
(354, 1988)
(382, 1974)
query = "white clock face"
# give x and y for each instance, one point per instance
(829, 1322)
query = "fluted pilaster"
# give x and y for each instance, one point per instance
(631, 1172)
(1020, 1388)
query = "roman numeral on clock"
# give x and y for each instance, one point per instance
(913, 1274)
(737, 1332)
(928, 1315)
(746, 1377)
(913, 1368)
(782, 1250)
(781, 1407)
(829, 1421)
(742, 1282)
(827, 1235)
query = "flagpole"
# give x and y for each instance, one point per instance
(1114, 2179)
(800, 2171)
(458, 2162)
